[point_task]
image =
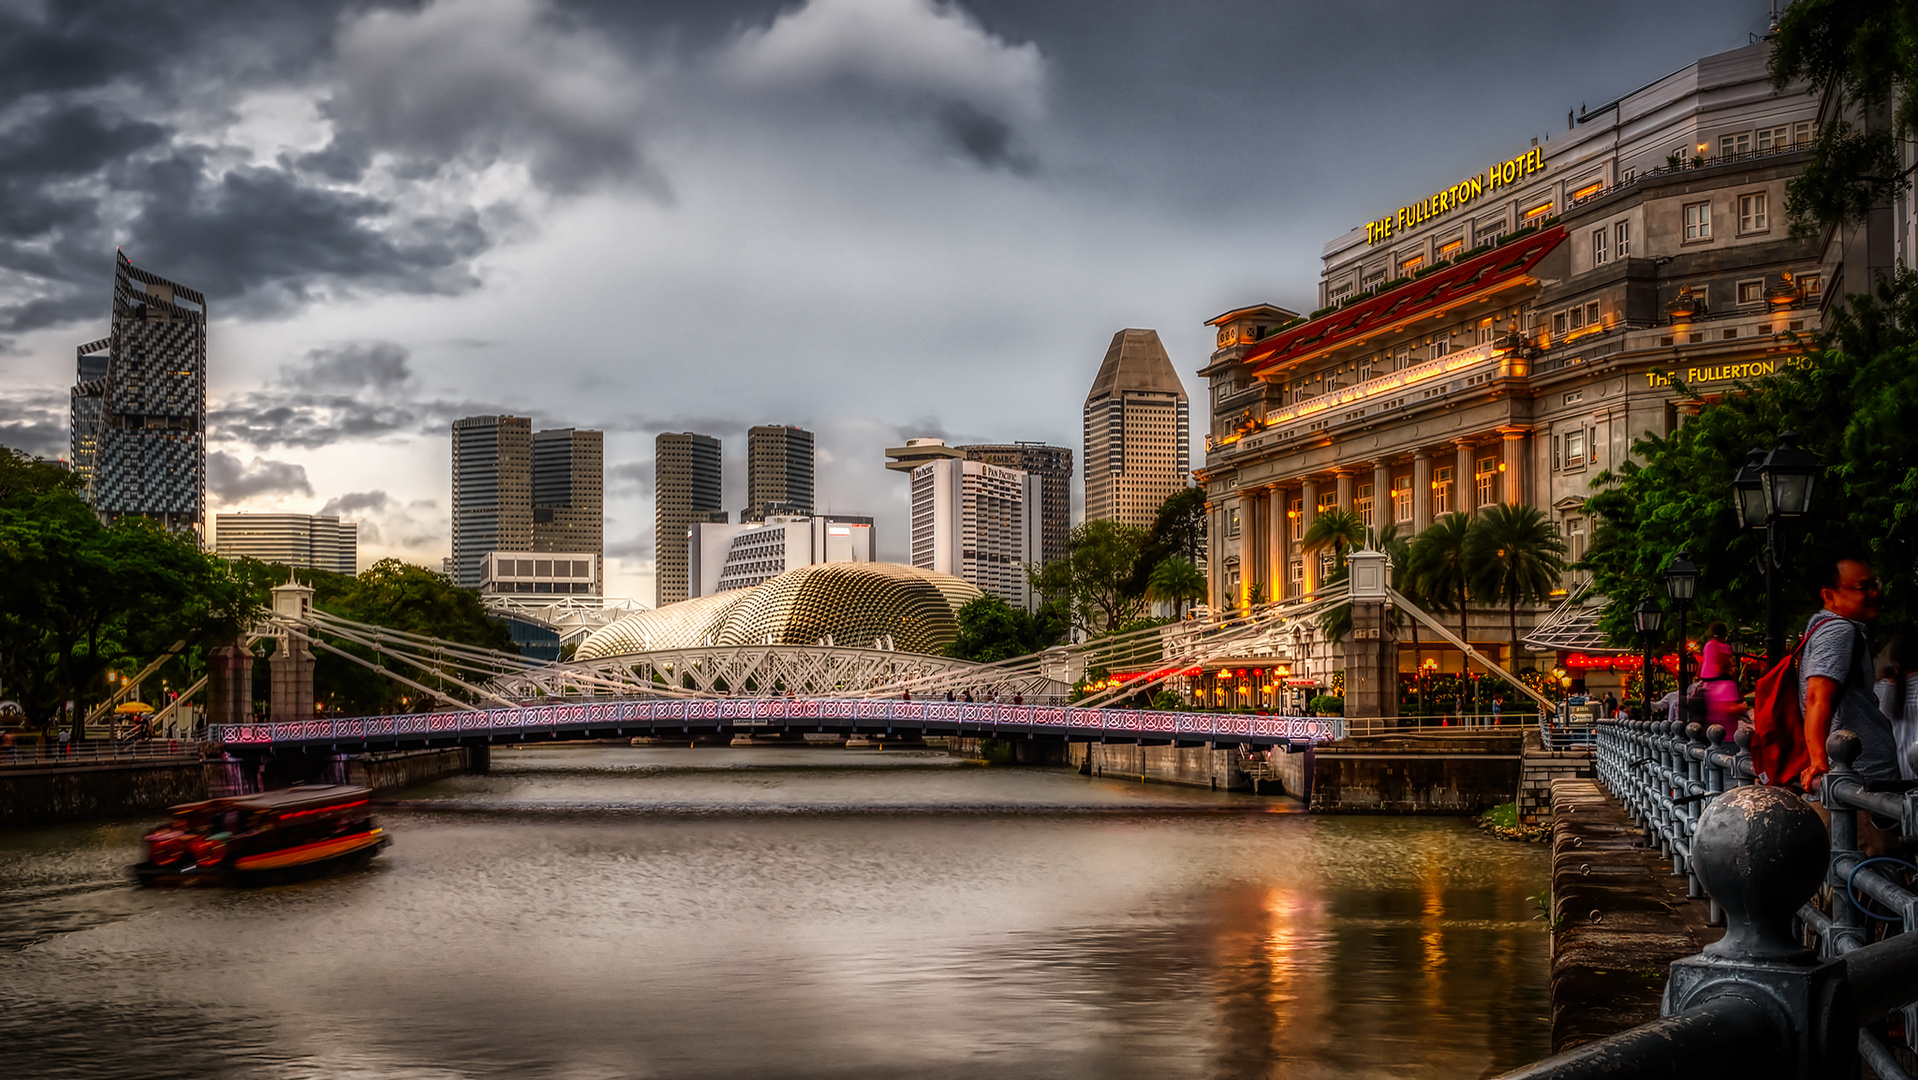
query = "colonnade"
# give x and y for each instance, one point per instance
(1410, 489)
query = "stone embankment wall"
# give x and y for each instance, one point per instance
(1416, 774)
(119, 789)
(1619, 918)
(1537, 771)
(1191, 766)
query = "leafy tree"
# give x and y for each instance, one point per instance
(1339, 530)
(1095, 579)
(1441, 564)
(991, 630)
(1175, 581)
(1516, 557)
(1866, 51)
(1853, 402)
(78, 597)
(1178, 530)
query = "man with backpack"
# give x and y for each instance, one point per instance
(1835, 676)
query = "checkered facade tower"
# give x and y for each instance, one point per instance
(139, 405)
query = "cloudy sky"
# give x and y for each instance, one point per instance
(873, 218)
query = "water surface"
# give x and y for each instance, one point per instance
(754, 913)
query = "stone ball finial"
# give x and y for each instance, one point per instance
(1715, 735)
(1761, 853)
(1694, 732)
(1743, 737)
(1843, 747)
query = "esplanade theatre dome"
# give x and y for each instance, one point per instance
(851, 604)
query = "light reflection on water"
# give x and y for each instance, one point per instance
(803, 913)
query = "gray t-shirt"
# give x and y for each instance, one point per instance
(1836, 648)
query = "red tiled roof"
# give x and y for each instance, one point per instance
(1476, 275)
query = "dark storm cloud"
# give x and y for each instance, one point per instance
(351, 390)
(35, 422)
(357, 502)
(985, 138)
(380, 366)
(231, 480)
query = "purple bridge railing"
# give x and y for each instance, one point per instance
(713, 715)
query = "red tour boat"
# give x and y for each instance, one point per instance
(296, 832)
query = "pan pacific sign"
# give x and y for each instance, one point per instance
(1440, 203)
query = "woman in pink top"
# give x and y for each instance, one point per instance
(1718, 670)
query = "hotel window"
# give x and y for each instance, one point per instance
(1440, 347)
(1486, 480)
(1698, 221)
(1751, 292)
(1558, 324)
(1591, 313)
(1232, 522)
(1814, 284)
(1628, 176)
(1362, 502)
(1574, 397)
(1411, 265)
(1574, 448)
(1328, 500)
(1774, 138)
(1538, 211)
(1574, 539)
(1402, 499)
(1598, 247)
(1622, 232)
(1740, 143)
(1295, 518)
(1486, 331)
(1295, 576)
(1751, 213)
(1801, 133)
(1442, 491)
(1577, 317)
(1588, 190)
(1450, 248)
(1488, 233)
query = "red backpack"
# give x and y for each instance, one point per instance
(1779, 755)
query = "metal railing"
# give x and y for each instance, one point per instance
(1792, 989)
(40, 755)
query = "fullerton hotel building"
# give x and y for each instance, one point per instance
(1506, 336)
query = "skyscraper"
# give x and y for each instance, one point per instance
(569, 502)
(1053, 466)
(779, 478)
(521, 491)
(492, 491)
(139, 404)
(979, 522)
(1137, 431)
(316, 541)
(686, 489)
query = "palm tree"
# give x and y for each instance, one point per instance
(1441, 564)
(1174, 581)
(1336, 622)
(1340, 530)
(1516, 556)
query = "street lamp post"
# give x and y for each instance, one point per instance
(1681, 584)
(1771, 489)
(1647, 617)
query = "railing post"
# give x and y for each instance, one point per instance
(1847, 922)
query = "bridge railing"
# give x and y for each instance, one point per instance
(1792, 989)
(821, 713)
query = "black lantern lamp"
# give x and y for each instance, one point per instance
(1748, 488)
(1681, 581)
(1789, 475)
(1647, 617)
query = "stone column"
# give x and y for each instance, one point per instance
(1371, 649)
(1421, 490)
(1214, 555)
(1275, 542)
(292, 672)
(1513, 458)
(1308, 510)
(229, 683)
(1465, 483)
(1343, 478)
(1248, 545)
(1381, 496)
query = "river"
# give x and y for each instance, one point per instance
(589, 912)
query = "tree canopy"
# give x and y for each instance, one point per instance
(991, 630)
(1096, 580)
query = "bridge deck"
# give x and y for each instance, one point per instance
(593, 719)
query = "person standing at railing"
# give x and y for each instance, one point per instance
(1897, 692)
(1718, 671)
(1835, 676)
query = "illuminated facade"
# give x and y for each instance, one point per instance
(1505, 339)
(139, 404)
(1138, 431)
(854, 605)
(980, 522)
